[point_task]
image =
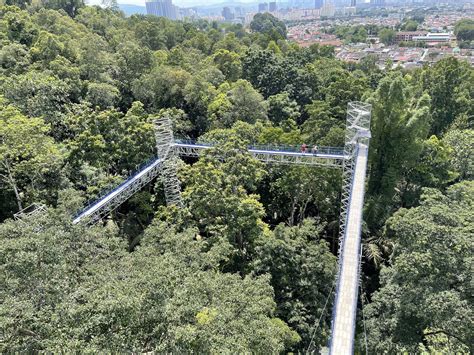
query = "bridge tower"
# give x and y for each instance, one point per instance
(165, 150)
(352, 200)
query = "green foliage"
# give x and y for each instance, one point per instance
(81, 87)
(425, 289)
(387, 36)
(351, 34)
(228, 63)
(218, 195)
(449, 85)
(400, 123)
(237, 102)
(410, 25)
(462, 159)
(102, 95)
(299, 262)
(27, 154)
(282, 108)
(110, 139)
(464, 30)
(268, 25)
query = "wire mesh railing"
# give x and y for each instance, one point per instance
(108, 191)
(307, 149)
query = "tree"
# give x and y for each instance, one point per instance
(464, 30)
(14, 59)
(268, 25)
(199, 93)
(297, 191)
(462, 159)
(446, 83)
(433, 169)
(424, 302)
(133, 61)
(387, 36)
(410, 25)
(70, 6)
(41, 95)
(47, 47)
(400, 123)
(272, 74)
(162, 88)
(44, 262)
(110, 139)
(240, 101)
(26, 151)
(18, 26)
(302, 271)
(228, 63)
(102, 95)
(218, 196)
(282, 108)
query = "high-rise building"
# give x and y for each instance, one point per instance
(263, 7)
(273, 6)
(328, 9)
(377, 2)
(227, 14)
(164, 8)
(353, 3)
(239, 11)
(318, 4)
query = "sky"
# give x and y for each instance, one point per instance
(182, 3)
(189, 3)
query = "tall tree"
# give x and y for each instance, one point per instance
(425, 303)
(400, 124)
(302, 273)
(449, 85)
(26, 150)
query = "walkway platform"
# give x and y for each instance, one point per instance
(345, 309)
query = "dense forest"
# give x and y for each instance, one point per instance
(248, 264)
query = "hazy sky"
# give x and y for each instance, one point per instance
(182, 3)
(189, 3)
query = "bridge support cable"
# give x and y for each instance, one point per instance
(352, 201)
(164, 146)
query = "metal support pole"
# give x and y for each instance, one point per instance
(353, 180)
(164, 146)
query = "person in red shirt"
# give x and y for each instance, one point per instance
(304, 147)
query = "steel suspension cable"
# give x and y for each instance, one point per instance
(316, 325)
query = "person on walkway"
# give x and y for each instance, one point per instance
(315, 149)
(304, 148)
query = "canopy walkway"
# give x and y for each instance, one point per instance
(353, 161)
(325, 156)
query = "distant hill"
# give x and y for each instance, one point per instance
(132, 9)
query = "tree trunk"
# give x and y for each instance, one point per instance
(11, 181)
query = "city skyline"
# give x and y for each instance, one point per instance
(180, 3)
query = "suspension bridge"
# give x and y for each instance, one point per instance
(352, 159)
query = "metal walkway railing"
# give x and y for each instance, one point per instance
(111, 199)
(343, 326)
(278, 154)
(114, 198)
(345, 308)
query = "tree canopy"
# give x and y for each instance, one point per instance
(248, 264)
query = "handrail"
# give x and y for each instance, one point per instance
(91, 202)
(332, 151)
(272, 147)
